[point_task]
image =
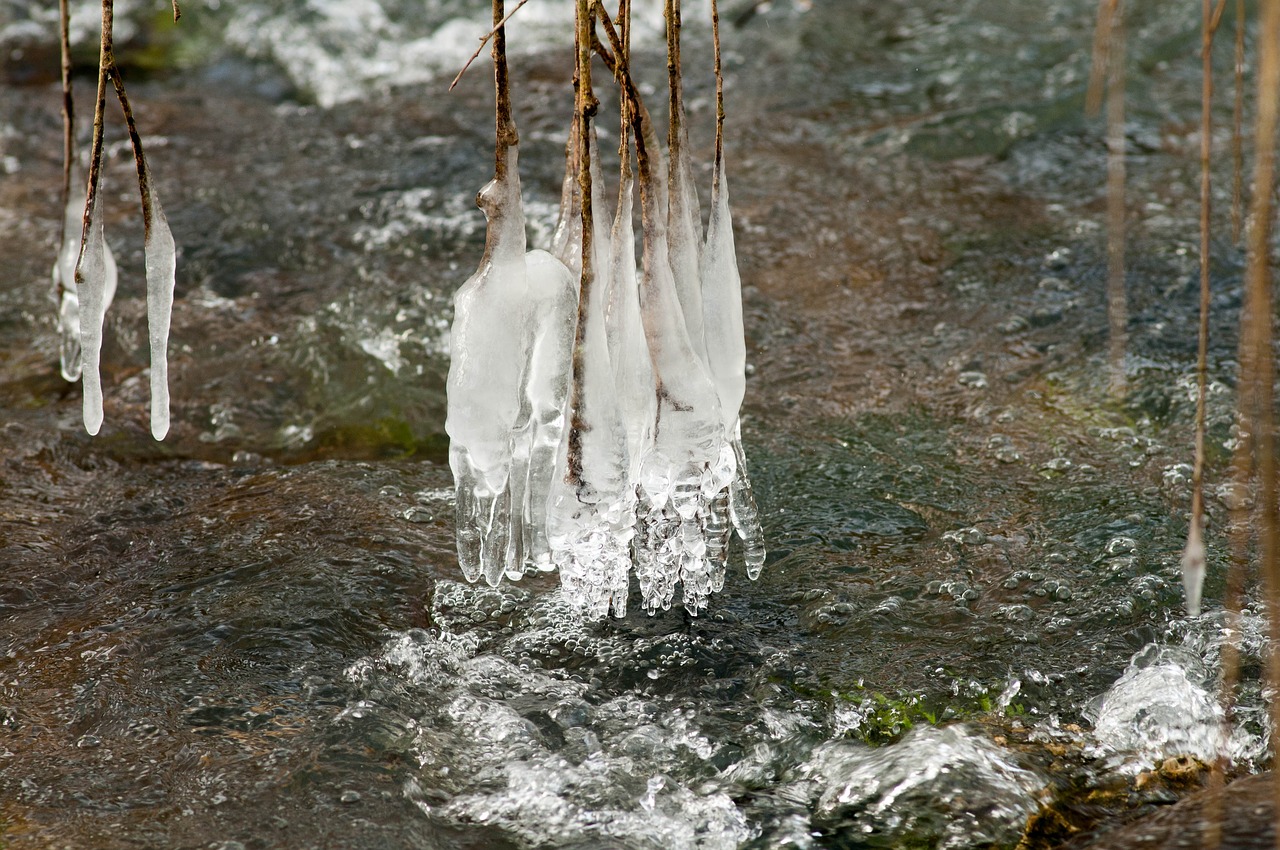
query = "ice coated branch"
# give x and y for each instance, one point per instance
(85, 290)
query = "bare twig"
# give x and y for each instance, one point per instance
(68, 123)
(586, 105)
(1101, 56)
(1194, 559)
(505, 134)
(1237, 135)
(715, 40)
(1117, 307)
(499, 24)
(1258, 305)
(1194, 555)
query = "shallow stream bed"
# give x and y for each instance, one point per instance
(970, 630)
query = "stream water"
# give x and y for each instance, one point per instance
(970, 629)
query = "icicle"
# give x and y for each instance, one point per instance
(66, 293)
(685, 243)
(161, 262)
(743, 512)
(687, 442)
(566, 239)
(628, 350)
(91, 286)
(1193, 568)
(722, 306)
(553, 310)
(727, 354)
(487, 349)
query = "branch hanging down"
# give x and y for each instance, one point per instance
(160, 251)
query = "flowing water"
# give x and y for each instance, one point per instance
(255, 634)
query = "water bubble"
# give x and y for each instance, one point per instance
(417, 513)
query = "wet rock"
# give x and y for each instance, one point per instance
(1239, 816)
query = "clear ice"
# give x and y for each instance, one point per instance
(161, 262)
(637, 459)
(510, 346)
(591, 518)
(91, 288)
(1194, 560)
(727, 359)
(66, 293)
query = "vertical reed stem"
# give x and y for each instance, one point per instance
(68, 122)
(505, 135)
(586, 105)
(1258, 305)
(1237, 135)
(1117, 308)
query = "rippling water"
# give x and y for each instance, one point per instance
(254, 634)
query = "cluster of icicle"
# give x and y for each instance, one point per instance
(84, 285)
(660, 481)
(84, 273)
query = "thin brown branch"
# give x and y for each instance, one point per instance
(1237, 134)
(586, 105)
(505, 134)
(140, 160)
(1101, 56)
(68, 122)
(1117, 307)
(715, 41)
(1194, 555)
(1258, 305)
(676, 113)
(485, 40)
(106, 60)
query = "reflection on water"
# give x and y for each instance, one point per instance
(254, 635)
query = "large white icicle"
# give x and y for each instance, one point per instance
(552, 313)
(91, 286)
(628, 350)
(684, 239)
(161, 262)
(677, 473)
(727, 354)
(488, 352)
(722, 305)
(64, 287)
(591, 519)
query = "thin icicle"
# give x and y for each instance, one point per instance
(65, 292)
(552, 312)
(628, 350)
(1194, 561)
(743, 512)
(161, 262)
(722, 306)
(566, 239)
(91, 287)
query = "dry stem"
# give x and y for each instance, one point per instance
(485, 40)
(1117, 308)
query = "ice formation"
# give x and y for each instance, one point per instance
(161, 262)
(91, 287)
(65, 292)
(616, 444)
(591, 517)
(84, 283)
(507, 385)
